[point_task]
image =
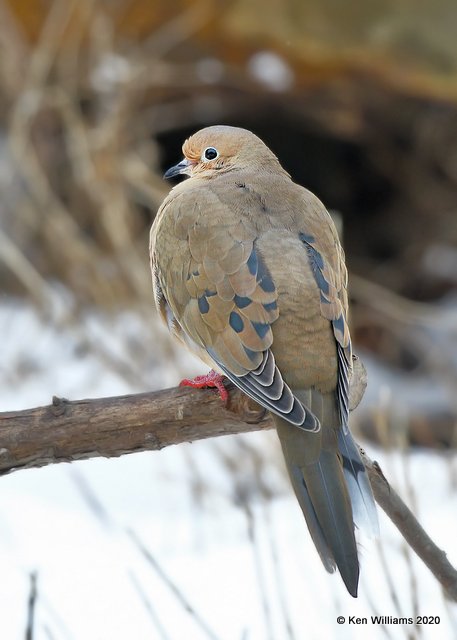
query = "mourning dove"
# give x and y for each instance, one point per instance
(249, 273)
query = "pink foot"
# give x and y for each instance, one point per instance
(212, 379)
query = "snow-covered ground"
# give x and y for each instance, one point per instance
(196, 541)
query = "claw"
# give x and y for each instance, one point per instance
(211, 379)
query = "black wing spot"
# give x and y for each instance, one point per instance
(252, 263)
(203, 305)
(242, 302)
(338, 324)
(236, 322)
(264, 278)
(317, 264)
(261, 329)
(270, 306)
(321, 281)
(307, 238)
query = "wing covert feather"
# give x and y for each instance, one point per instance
(226, 302)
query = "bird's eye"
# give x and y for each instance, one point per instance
(210, 153)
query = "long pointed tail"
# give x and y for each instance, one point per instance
(321, 490)
(331, 485)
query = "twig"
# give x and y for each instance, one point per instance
(66, 431)
(281, 593)
(161, 631)
(396, 307)
(432, 556)
(23, 269)
(31, 606)
(259, 572)
(180, 597)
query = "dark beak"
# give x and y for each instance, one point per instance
(177, 169)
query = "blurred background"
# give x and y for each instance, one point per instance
(205, 540)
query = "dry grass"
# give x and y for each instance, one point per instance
(83, 174)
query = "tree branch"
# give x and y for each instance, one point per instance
(414, 534)
(77, 430)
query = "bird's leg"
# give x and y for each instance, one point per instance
(211, 379)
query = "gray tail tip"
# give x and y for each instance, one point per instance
(350, 576)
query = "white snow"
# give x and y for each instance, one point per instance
(232, 546)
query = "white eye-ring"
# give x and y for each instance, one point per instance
(210, 153)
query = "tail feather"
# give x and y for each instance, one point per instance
(320, 487)
(312, 521)
(331, 484)
(363, 504)
(325, 485)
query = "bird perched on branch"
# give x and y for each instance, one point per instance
(249, 273)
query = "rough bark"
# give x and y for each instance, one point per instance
(76, 430)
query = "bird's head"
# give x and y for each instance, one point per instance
(219, 149)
